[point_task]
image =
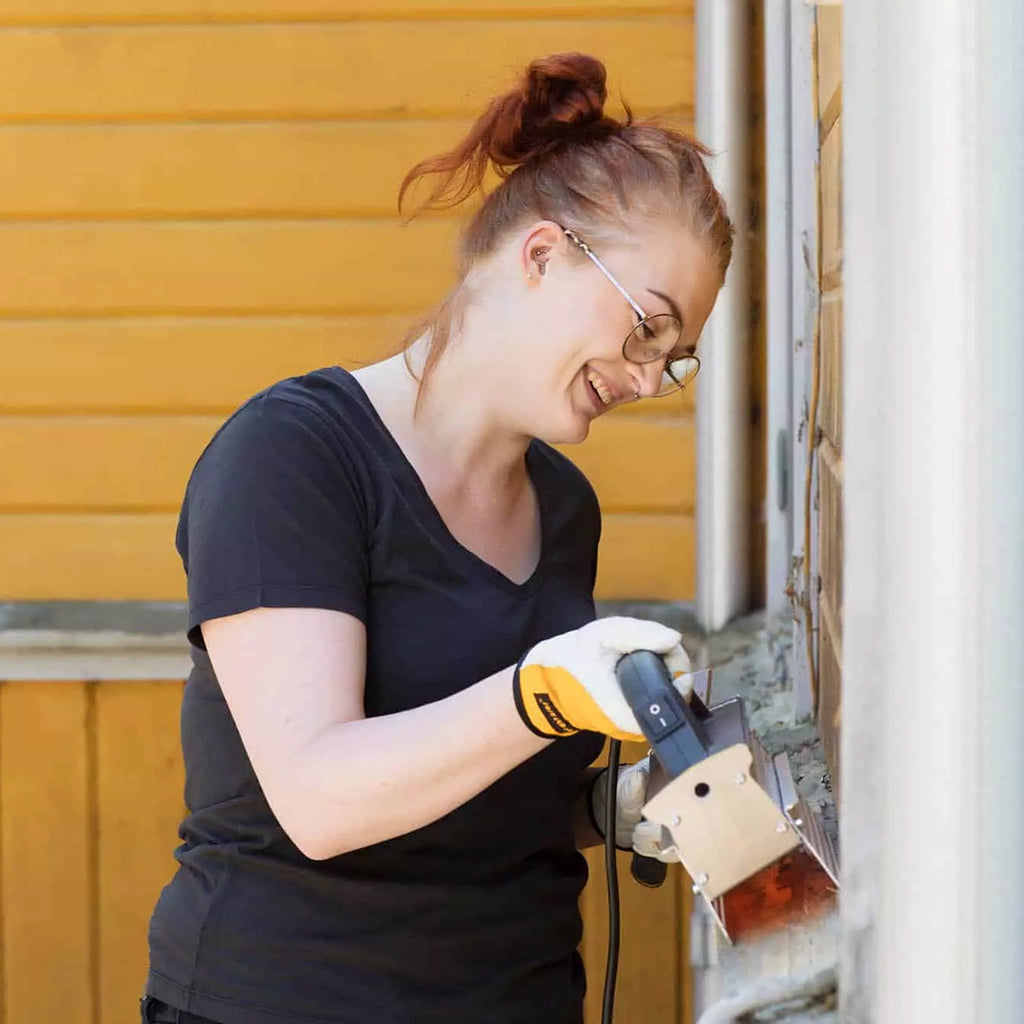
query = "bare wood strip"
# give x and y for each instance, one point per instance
(832, 111)
(832, 457)
(829, 52)
(831, 212)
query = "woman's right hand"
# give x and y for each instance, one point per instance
(567, 683)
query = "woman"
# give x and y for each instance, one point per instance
(397, 682)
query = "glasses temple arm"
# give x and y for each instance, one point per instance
(576, 240)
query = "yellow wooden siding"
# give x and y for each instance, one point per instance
(138, 804)
(199, 200)
(391, 70)
(267, 169)
(71, 12)
(198, 364)
(137, 463)
(90, 800)
(47, 852)
(130, 556)
(193, 267)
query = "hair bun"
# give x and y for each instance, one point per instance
(564, 91)
(560, 98)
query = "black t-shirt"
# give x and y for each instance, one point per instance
(304, 498)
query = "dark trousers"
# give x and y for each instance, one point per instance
(155, 1012)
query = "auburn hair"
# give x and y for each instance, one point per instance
(560, 157)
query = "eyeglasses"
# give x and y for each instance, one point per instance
(653, 338)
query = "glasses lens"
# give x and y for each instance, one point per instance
(678, 373)
(652, 339)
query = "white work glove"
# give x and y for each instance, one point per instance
(567, 683)
(632, 830)
(630, 797)
(653, 840)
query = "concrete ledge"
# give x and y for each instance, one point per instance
(71, 641)
(72, 656)
(145, 640)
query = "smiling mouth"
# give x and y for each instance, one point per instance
(599, 388)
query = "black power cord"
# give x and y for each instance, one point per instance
(611, 870)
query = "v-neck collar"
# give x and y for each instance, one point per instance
(416, 493)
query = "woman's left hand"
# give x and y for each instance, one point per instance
(632, 830)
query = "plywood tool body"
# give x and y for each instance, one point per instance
(755, 851)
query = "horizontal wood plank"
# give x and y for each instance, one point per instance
(91, 12)
(132, 557)
(77, 557)
(640, 464)
(46, 875)
(188, 365)
(166, 171)
(283, 169)
(647, 557)
(195, 365)
(298, 71)
(133, 463)
(203, 267)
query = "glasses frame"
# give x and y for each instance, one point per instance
(639, 311)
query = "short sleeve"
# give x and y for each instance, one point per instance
(274, 516)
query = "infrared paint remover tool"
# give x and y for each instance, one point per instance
(755, 851)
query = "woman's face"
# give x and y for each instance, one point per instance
(571, 363)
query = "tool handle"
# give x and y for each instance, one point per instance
(676, 735)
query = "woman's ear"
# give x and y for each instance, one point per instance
(539, 245)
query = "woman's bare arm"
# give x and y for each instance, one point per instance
(293, 679)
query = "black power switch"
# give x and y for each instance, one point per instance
(674, 732)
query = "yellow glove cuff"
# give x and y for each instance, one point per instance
(552, 702)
